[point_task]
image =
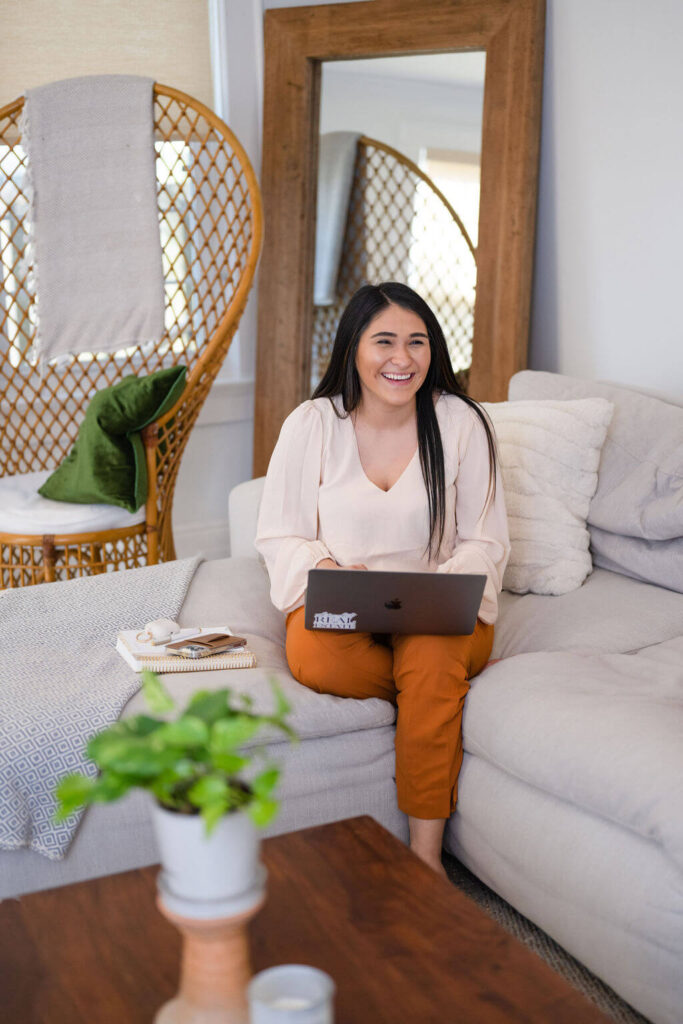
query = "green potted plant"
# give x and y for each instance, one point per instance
(209, 797)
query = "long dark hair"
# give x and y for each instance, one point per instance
(341, 378)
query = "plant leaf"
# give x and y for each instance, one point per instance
(157, 697)
(110, 786)
(134, 757)
(172, 784)
(209, 789)
(262, 811)
(73, 791)
(187, 731)
(102, 740)
(229, 763)
(139, 725)
(212, 814)
(264, 784)
(230, 733)
(279, 724)
(209, 706)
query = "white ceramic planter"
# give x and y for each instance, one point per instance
(208, 876)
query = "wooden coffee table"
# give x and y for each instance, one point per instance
(403, 946)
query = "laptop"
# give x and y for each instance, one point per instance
(365, 601)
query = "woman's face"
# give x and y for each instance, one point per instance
(393, 357)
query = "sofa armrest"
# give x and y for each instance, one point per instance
(244, 502)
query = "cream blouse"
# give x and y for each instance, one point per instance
(318, 503)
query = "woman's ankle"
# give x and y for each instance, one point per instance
(426, 840)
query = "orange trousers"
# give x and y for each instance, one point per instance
(426, 677)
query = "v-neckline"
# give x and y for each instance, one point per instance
(362, 469)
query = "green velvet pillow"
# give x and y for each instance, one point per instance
(107, 463)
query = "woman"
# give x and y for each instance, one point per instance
(390, 466)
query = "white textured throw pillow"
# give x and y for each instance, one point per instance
(549, 454)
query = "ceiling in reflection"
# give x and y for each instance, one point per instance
(460, 68)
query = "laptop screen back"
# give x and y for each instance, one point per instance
(393, 602)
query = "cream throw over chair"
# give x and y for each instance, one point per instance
(210, 219)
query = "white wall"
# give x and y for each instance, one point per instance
(220, 450)
(608, 271)
(217, 458)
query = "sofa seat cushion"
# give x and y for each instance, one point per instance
(608, 614)
(313, 714)
(234, 592)
(601, 732)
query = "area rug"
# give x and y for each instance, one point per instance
(574, 972)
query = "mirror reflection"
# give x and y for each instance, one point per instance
(398, 189)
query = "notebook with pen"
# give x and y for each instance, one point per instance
(393, 602)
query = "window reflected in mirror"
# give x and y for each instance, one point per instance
(398, 190)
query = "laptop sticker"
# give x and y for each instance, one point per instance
(328, 620)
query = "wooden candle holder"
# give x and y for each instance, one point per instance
(215, 969)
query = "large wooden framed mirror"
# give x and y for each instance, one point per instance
(298, 41)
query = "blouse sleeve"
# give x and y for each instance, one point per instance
(287, 530)
(482, 542)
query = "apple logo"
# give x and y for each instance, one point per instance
(393, 605)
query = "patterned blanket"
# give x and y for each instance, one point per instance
(61, 681)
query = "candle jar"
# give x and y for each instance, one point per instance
(291, 994)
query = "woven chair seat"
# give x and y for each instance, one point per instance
(24, 511)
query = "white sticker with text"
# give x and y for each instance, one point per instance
(327, 620)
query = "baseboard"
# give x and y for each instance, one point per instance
(210, 540)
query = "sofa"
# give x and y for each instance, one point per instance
(571, 791)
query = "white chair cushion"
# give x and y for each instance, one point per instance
(24, 511)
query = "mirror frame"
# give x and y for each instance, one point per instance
(297, 40)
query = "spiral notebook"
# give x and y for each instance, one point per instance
(142, 655)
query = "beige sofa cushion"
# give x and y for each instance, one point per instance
(549, 454)
(236, 590)
(609, 614)
(636, 515)
(600, 732)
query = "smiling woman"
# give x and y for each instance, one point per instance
(345, 489)
(394, 349)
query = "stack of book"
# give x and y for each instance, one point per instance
(140, 653)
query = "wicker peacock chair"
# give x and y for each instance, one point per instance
(401, 227)
(211, 224)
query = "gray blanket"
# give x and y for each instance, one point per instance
(61, 681)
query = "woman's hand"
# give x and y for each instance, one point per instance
(328, 563)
